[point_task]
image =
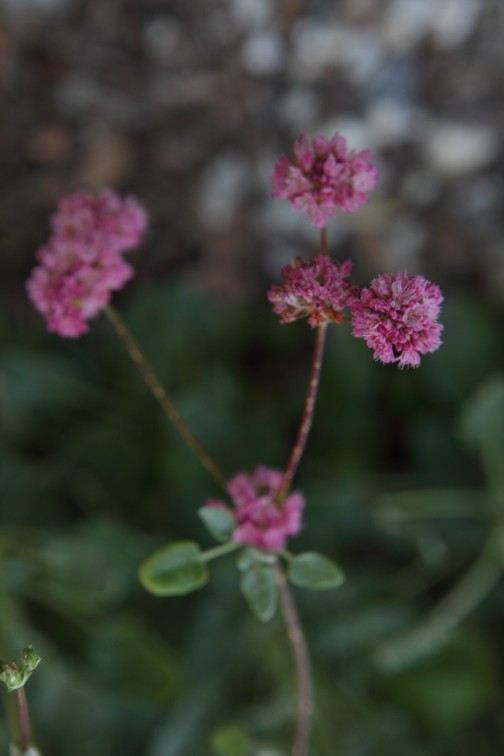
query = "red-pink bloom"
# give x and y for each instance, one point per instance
(318, 289)
(264, 518)
(82, 263)
(397, 318)
(324, 175)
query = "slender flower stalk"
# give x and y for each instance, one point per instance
(309, 409)
(24, 719)
(311, 396)
(303, 666)
(19, 724)
(162, 397)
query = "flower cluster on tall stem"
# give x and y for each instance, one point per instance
(396, 316)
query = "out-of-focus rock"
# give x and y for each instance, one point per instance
(407, 22)
(317, 46)
(49, 144)
(421, 187)
(36, 7)
(455, 148)
(163, 37)
(299, 108)
(403, 244)
(222, 189)
(107, 160)
(392, 122)
(455, 21)
(251, 14)
(263, 53)
(77, 94)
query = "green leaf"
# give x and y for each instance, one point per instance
(312, 570)
(245, 560)
(482, 425)
(174, 570)
(260, 589)
(219, 522)
(230, 740)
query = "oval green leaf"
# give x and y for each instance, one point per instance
(219, 522)
(312, 570)
(174, 570)
(259, 587)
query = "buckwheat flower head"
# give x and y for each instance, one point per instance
(82, 263)
(107, 221)
(318, 289)
(263, 517)
(324, 175)
(397, 318)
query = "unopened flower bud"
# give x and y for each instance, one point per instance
(13, 677)
(30, 659)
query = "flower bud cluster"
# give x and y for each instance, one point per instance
(15, 677)
(82, 263)
(397, 315)
(264, 516)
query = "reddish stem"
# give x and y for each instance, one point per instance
(311, 395)
(24, 719)
(162, 397)
(303, 666)
(307, 419)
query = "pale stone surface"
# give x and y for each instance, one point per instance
(391, 122)
(251, 14)
(162, 37)
(455, 148)
(222, 189)
(263, 53)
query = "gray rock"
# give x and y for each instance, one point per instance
(263, 53)
(455, 148)
(222, 188)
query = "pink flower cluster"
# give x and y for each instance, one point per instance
(397, 318)
(318, 289)
(324, 175)
(264, 518)
(82, 263)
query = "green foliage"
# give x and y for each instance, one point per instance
(482, 426)
(258, 585)
(92, 479)
(312, 570)
(174, 570)
(15, 675)
(230, 740)
(219, 522)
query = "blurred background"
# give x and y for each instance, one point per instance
(188, 105)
